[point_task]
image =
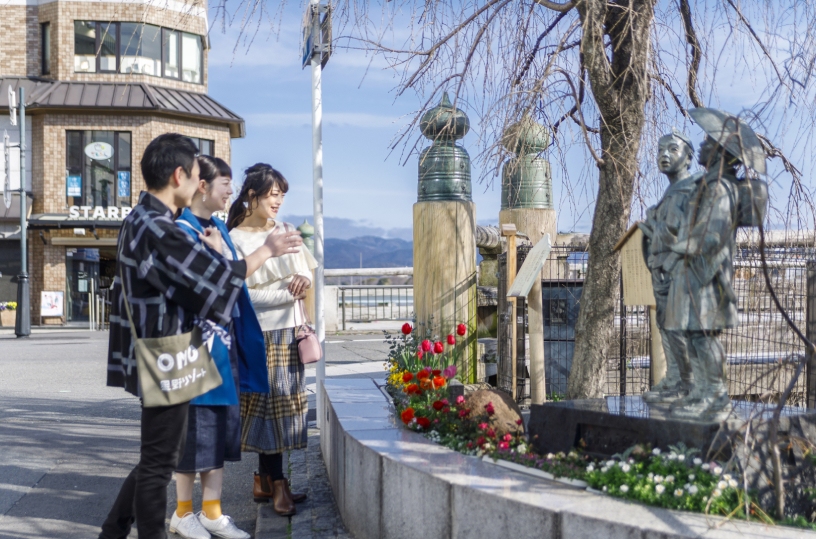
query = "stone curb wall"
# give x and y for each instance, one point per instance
(390, 482)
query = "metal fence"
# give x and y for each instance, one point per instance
(360, 303)
(759, 353)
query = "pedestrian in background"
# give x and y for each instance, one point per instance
(273, 422)
(214, 422)
(172, 283)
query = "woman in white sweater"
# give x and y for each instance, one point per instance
(273, 422)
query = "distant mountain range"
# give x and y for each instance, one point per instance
(377, 252)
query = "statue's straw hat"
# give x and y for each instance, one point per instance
(722, 127)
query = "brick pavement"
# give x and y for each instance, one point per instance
(317, 517)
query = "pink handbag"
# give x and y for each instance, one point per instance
(309, 348)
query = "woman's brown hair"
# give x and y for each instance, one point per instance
(259, 179)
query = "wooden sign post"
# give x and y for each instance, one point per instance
(509, 231)
(638, 290)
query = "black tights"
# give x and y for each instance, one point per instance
(271, 465)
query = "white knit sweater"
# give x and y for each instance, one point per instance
(274, 304)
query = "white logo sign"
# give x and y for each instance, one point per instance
(98, 212)
(165, 362)
(99, 150)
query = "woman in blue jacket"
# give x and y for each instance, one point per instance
(214, 423)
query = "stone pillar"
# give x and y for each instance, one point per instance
(527, 202)
(444, 234)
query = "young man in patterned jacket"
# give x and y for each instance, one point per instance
(171, 283)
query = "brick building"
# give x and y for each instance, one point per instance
(101, 79)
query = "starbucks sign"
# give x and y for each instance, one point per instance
(99, 151)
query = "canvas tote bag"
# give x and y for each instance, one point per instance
(172, 369)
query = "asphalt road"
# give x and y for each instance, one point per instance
(68, 441)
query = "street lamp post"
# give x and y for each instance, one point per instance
(316, 50)
(22, 326)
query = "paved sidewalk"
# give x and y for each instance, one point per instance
(317, 517)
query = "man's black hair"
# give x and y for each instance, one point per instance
(163, 156)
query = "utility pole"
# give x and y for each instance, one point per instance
(316, 51)
(22, 327)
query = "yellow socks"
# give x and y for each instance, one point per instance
(211, 509)
(184, 507)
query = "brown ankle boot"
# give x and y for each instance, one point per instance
(281, 498)
(297, 497)
(262, 489)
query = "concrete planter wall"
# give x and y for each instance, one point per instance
(8, 318)
(390, 482)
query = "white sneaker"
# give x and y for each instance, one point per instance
(223, 526)
(188, 526)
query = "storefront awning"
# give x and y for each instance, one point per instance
(67, 96)
(56, 221)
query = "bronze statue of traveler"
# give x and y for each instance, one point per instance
(701, 301)
(675, 155)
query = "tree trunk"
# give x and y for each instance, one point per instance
(619, 82)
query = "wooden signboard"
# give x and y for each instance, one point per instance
(637, 279)
(531, 269)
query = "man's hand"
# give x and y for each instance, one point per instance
(284, 244)
(211, 238)
(298, 286)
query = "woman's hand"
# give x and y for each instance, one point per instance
(283, 244)
(299, 285)
(211, 238)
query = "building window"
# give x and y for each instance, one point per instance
(98, 166)
(131, 47)
(191, 56)
(205, 147)
(140, 48)
(45, 47)
(84, 47)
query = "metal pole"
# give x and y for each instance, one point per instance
(317, 161)
(810, 333)
(23, 323)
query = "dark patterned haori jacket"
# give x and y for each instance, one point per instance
(171, 282)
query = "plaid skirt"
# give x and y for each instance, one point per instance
(275, 422)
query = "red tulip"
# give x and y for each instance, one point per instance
(424, 422)
(407, 415)
(438, 348)
(438, 405)
(436, 372)
(407, 329)
(419, 354)
(461, 329)
(426, 345)
(451, 339)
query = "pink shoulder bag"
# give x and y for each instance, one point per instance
(309, 348)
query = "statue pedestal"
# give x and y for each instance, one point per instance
(613, 424)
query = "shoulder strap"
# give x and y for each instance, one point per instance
(124, 295)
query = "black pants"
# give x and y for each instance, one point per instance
(143, 497)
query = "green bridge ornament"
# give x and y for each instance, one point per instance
(526, 179)
(444, 167)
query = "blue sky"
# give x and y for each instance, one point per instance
(370, 189)
(364, 184)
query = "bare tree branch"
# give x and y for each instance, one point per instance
(696, 54)
(563, 8)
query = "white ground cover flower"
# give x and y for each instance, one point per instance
(693, 489)
(672, 456)
(669, 479)
(716, 470)
(681, 458)
(732, 483)
(610, 463)
(660, 489)
(658, 479)
(604, 488)
(655, 451)
(697, 461)
(624, 488)
(678, 492)
(716, 493)
(651, 476)
(604, 469)
(705, 466)
(522, 448)
(590, 468)
(625, 468)
(727, 477)
(692, 477)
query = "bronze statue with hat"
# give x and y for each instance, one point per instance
(701, 302)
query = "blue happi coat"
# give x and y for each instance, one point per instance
(248, 336)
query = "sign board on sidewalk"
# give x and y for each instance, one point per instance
(316, 42)
(51, 304)
(12, 101)
(531, 269)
